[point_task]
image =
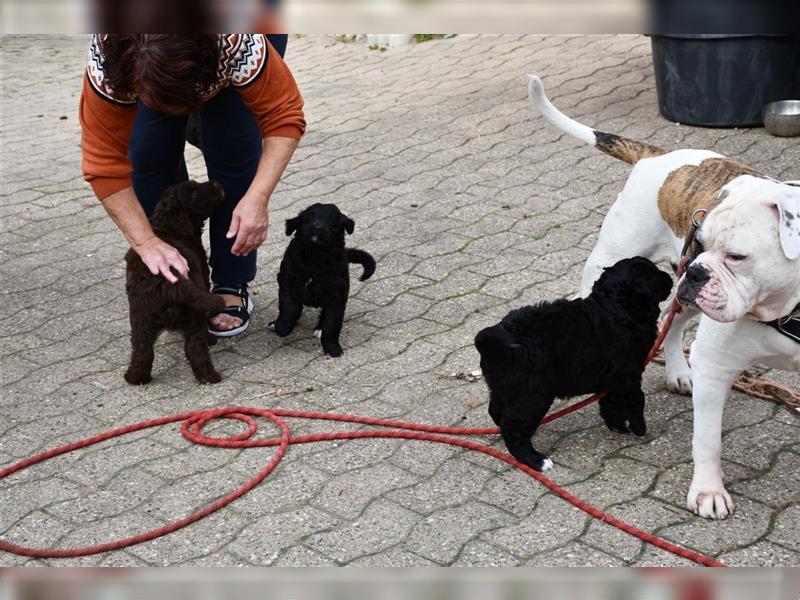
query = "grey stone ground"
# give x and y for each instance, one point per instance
(472, 206)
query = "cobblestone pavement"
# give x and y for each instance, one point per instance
(472, 206)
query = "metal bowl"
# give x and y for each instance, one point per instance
(782, 118)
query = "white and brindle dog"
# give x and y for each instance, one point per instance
(744, 274)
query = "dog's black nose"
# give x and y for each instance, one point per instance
(697, 275)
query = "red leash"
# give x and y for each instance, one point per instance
(192, 424)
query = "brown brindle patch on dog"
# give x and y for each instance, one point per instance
(625, 149)
(697, 186)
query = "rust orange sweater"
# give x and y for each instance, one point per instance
(247, 62)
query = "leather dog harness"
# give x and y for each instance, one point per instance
(789, 325)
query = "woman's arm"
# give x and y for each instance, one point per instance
(126, 212)
(250, 219)
(275, 101)
(105, 131)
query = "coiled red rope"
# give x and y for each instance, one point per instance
(192, 424)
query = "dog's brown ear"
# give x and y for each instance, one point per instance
(293, 224)
(348, 224)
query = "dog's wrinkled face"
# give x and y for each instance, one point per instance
(636, 276)
(320, 225)
(750, 264)
(187, 205)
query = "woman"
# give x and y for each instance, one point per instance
(138, 91)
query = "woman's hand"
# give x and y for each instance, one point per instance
(250, 218)
(249, 224)
(125, 210)
(161, 258)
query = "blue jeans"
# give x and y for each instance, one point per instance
(232, 150)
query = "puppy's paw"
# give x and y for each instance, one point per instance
(282, 329)
(536, 461)
(615, 423)
(545, 466)
(333, 350)
(637, 426)
(137, 378)
(210, 376)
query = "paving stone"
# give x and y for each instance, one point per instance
(620, 479)
(263, 539)
(441, 535)
(392, 558)
(762, 442)
(347, 495)
(450, 485)
(195, 542)
(643, 513)
(779, 486)
(574, 553)
(748, 523)
(784, 528)
(478, 553)
(300, 556)
(762, 554)
(552, 524)
(513, 491)
(380, 527)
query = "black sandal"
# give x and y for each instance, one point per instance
(241, 311)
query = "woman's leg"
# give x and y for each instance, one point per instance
(232, 150)
(156, 152)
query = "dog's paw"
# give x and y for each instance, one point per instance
(318, 334)
(679, 381)
(333, 350)
(618, 428)
(545, 466)
(637, 425)
(709, 501)
(135, 378)
(615, 423)
(280, 328)
(638, 429)
(211, 376)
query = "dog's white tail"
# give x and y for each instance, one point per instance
(622, 148)
(555, 116)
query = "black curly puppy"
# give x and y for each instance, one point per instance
(315, 272)
(573, 347)
(155, 304)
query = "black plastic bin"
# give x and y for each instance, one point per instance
(723, 80)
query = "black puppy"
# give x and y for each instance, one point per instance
(155, 304)
(573, 347)
(314, 272)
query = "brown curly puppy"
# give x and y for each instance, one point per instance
(155, 304)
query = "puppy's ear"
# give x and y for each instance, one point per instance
(348, 224)
(293, 224)
(788, 208)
